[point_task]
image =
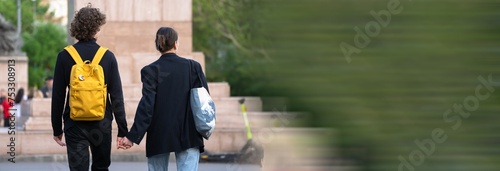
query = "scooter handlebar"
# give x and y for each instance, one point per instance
(242, 100)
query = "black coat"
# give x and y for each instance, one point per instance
(164, 111)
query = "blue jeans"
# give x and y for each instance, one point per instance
(187, 160)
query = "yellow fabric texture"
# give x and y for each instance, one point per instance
(87, 89)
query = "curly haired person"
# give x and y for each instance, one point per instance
(82, 135)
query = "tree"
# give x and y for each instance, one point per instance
(224, 31)
(42, 47)
(42, 39)
(9, 10)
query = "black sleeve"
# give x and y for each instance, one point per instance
(58, 95)
(145, 109)
(201, 81)
(116, 96)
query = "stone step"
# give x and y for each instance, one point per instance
(41, 142)
(255, 119)
(235, 121)
(224, 121)
(41, 123)
(223, 105)
(232, 105)
(284, 148)
(41, 107)
(217, 89)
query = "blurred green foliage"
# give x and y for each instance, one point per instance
(225, 31)
(9, 10)
(42, 39)
(42, 47)
(396, 89)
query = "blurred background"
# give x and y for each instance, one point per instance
(394, 82)
(384, 93)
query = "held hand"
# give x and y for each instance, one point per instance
(119, 143)
(59, 141)
(126, 143)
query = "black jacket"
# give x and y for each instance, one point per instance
(164, 111)
(62, 71)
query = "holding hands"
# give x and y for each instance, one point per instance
(124, 143)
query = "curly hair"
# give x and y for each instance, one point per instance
(86, 23)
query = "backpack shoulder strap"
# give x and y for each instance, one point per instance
(74, 54)
(98, 55)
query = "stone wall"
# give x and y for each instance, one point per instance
(131, 28)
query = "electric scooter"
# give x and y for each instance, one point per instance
(251, 153)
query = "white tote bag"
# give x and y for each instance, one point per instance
(203, 108)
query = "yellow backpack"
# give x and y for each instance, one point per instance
(87, 89)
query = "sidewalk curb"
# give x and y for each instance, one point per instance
(63, 158)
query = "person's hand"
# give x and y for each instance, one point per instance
(119, 143)
(125, 143)
(59, 141)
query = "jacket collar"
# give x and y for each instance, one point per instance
(168, 55)
(91, 41)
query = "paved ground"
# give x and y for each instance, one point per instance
(120, 166)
